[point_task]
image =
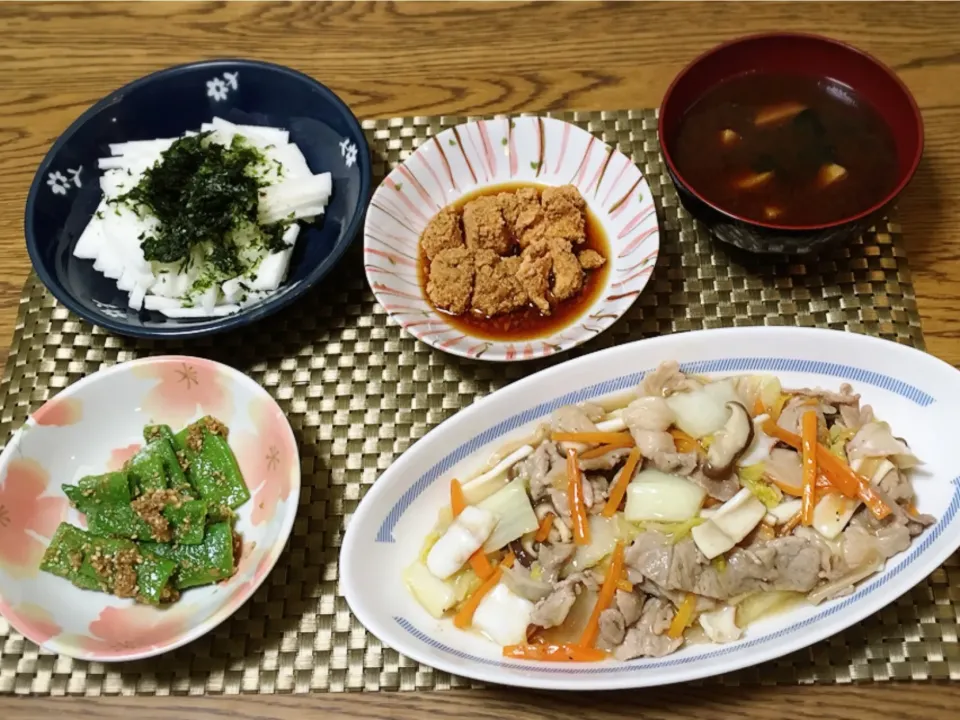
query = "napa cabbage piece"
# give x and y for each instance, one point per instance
(515, 514)
(435, 595)
(838, 439)
(758, 605)
(765, 388)
(752, 478)
(675, 531)
(438, 596)
(604, 534)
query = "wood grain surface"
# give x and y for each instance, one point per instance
(431, 58)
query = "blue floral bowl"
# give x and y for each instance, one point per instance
(65, 191)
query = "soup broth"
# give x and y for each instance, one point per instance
(786, 149)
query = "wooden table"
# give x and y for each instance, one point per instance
(413, 58)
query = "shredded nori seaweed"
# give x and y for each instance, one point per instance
(201, 193)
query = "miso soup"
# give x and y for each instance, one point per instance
(786, 149)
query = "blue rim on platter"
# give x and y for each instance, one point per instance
(51, 234)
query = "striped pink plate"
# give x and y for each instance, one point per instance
(474, 155)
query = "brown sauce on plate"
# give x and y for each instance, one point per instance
(529, 323)
(786, 149)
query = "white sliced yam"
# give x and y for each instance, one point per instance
(207, 299)
(123, 228)
(271, 271)
(114, 183)
(109, 265)
(290, 234)
(224, 128)
(91, 240)
(309, 213)
(137, 296)
(279, 201)
(251, 133)
(221, 137)
(112, 163)
(254, 297)
(127, 281)
(233, 290)
(158, 303)
(198, 312)
(175, 284)
(292, 162)
(276, 136)
(137, 147)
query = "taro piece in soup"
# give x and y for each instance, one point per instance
(786, 149)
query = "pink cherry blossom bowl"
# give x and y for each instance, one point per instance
(94, 426)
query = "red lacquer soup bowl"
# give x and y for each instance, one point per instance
(811, 56)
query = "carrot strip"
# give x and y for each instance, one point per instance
(683, 617)
(604, 598)
(843, 476)
(619, 488)
(481, 565)
(543, 532)
(457, 499)
(592, 438)
(602, 450)
(567, 652)
(822, 484)
(578, 510)
(840, 475)
(808, 441)
(464, 617)
(789, 526)
(758, 408)
(684, 442)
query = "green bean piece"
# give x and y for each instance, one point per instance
(156, 432)
(215, 474)
(64, 556)
(220, 513)
(121, 521)
(112, 565)
(153, 577)
(147, 470)
(168, 449)
(188, 521)
(109, 489)
(209, 562)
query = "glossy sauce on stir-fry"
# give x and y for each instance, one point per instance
(679, 515)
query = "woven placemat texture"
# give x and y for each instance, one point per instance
(359, 392)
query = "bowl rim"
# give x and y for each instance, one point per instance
(823, 39)
(244, 316)
(217, 617)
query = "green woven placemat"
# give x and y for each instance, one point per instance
(358, 392)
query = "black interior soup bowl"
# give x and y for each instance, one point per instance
(847, 74)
